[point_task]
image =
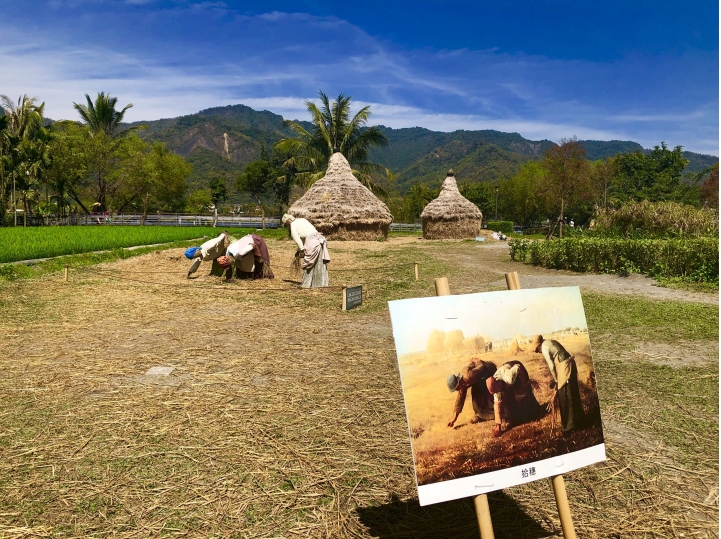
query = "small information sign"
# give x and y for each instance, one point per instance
(352, 297)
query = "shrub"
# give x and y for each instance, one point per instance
(687, 259)
(659, 219)
(504, 226)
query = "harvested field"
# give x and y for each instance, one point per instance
(283, 416)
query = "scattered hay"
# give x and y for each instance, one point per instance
(288, 421)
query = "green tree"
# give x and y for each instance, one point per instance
(655, 176)
(152, 177)
(69, 164)
(602, 176)
(218, 195)
(23, 122)
(518, 196)
(35, 159)
(25, 117)
(334, 130)
(284, 176)
(567, 182)
(255, 181)
(104, 143)
(482, 194)
(198, 200)
(414, 201)
(710, 188)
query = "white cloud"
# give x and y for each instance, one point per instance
(276, 61)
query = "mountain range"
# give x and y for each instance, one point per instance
(220, 141)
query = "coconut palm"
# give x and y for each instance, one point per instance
(35, 159)
(334, 130)
(25, 118)
(102, 115)
(23, 121)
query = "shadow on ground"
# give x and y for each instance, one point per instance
(457, 519)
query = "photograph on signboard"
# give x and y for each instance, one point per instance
(499, 389)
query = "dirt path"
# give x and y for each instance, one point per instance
(495, 258)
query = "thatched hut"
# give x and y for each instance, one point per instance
(341, 207)
(451, 216)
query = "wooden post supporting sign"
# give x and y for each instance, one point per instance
(352, 297)
(415, 269)
(483, 511)
(67, 266)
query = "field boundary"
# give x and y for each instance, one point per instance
(33, 261)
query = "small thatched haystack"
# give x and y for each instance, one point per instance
(341, 207)
(451, 216)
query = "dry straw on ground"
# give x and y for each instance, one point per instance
(283, 418)
(341, 207)
(451, 216)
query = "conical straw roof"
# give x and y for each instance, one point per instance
(341, 207)
(451, 215)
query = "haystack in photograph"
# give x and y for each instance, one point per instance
(341, 207)
(484, 421)
(451, 216)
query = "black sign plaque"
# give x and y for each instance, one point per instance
(353, 297)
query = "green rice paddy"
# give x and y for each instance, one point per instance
(44, 242)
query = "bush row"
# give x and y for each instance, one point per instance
(660, 219)
(690, 259)
(504, 226)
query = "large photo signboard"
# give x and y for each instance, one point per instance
(499, 389)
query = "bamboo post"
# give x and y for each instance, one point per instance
(442, 288)
(344, 308)
(564, 511)
(483, 511)
(66, 272)
(559, 485)
(415, 269)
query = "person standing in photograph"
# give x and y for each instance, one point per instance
(513, 400)
(312, 247)
(473, 377)
(565, 380)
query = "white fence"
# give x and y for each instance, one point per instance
(224, 221)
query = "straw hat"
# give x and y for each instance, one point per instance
(452, 382)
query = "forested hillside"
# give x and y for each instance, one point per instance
(220, 141)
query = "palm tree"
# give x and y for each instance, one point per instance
(26, 117)
(102, 116)
(334, 130)
(35, 159)
(103, 121)
(24, 120)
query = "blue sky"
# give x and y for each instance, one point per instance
(498, 315)
(643, 71)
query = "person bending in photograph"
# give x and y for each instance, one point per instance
(209, 251)
(472, 377)
(565, 380)
(513, 400)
